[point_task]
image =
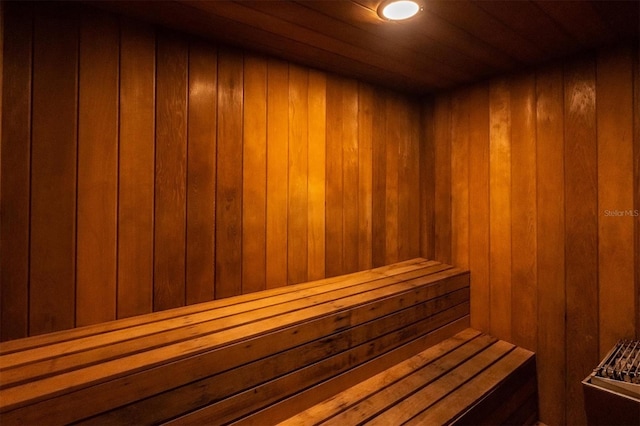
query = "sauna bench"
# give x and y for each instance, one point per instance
(259, 358)
(468, 379)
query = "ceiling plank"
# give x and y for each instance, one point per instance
(580, 20)
(450, 44)
(407, 38)
(385, 50)
(532, 24)
(469, 17)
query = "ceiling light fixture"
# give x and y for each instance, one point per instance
(399, 10)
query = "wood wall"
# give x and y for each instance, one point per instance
(144, 170)
(542, 173)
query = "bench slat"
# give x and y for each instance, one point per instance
(380, 383)
(448, 408)
(468, 379)
(407, 408)
(288, 407)
(505, 399)
(411, 383)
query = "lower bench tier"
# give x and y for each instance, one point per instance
(469, 379)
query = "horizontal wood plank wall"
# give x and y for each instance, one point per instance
(552, 161)
(202, 171)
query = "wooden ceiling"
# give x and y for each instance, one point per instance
(449, 44)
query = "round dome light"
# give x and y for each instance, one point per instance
(399, 10)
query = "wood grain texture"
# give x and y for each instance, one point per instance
(442, 155)
(615, 196)
(427, 180)
(350, 176)
(523, 207)
(228, 269)
(365, 175)
(479, 206)
(53, 171)
(277, 167)
(394, 133)
(153, 204)
(406, 178)
(500, 208)
(254, 176)
(136, 178)
(97, 169)
(379, 162)
(412, 177)
(201, 174)
(545, 251)
(460, 141)
(170, 172)
(316, 181)
(16, 170)
(297, 233)
(581, 226)
(551, 356)
(636, 174)
(335, 185)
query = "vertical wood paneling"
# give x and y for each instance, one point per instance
(392, 141)
(636, 174)
(170, 173)
(460, 179)
(427, 180)
(136, 170)
(379, 162)
(365, 175)
(254, 177)
(523, 207)
(1, 84)
(479, 206)
(412, 177)
(548, 239)
(334, 192)
(298, 173)
(229, 180)
(316, 181)
(405, 225)
(350, 175)
(442, 152)
(15, 166)
(277, 166)
(53, 171)
(550, 245)
(97, 169)
(500, 208)
(581, 228)
(201, 174)
(615, 196)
